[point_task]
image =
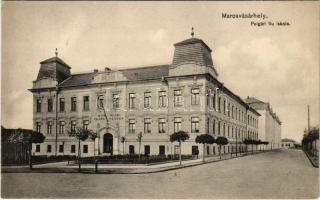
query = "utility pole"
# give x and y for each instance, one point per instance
(308, 119)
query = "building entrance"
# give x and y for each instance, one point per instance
(108, 143)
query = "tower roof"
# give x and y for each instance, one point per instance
(55, 59)
(193, 41)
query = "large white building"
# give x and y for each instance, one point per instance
(154, 100)
(269, 123)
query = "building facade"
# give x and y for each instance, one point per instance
(269, 123)
(155, 101)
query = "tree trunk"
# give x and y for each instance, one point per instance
(180, 153)
(139, 149)
(79, 155)
(94, 150)
(123, 148)
(30, 155)
(204, 147)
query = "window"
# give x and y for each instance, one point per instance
(195, 96)
(73, 103)
(177, 124)
(214, 126)
(208, 125)
(219, 126)
(228, 130)
(224, 129)
(73, 148)
(236, 113)
(177, 98)
(162, 150)
(50, 105)
(232, 113)
(195, 124)
(219, 104)
(224, 107)
(49, 148)
(147, 99)
(38, 109)
(214, 101)
(146, 150)
(85, 124)
(132, 126)
(38, 127)
(162, 125)
(61, 104)
(232, 132)
(147, 125)
(116, 101)
(85, 148)
(132, 97)
(228, 109)
(61, 127)
(208, 150)
(61, 148)
(131, 149)
(73, 126)
(162, 99)
(38, 148)
(100, 101)
(49, 128)
(214, 150)
(86, 103)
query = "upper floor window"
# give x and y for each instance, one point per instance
(147, 99)
(116, 100)
(214, 101)
(132, 126)
(147, 125)
(232, 114)
(100, 101)
(49, 127)
(73, 103)
(50, 105)
(219, 128)
(38, 106)
(61, 127)
(195, 124)
(162, 125)
(177, 124)
(85, 124)
(61, 104)
(219, 104)
(177, 98)
(228, 109)
(195, 96)
(224, 129)
(224, 107)
(132, 98)
(214, 126)
(162, 99)
(73, 126)
(86, 103)
(38, 127)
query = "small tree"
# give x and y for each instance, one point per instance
(123, 140)
(204, 139)
(139, 139)
(179, 136)
(81, 134)
(221, 141)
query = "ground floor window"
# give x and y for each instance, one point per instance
(49, 148)
(61, 148)
(176, 149)
(38, 148)
(73, 148)
(214, 150)
(208, 148)
(85, 148)
(146, 150)
(131, 149)
(228, 149)
(195, 150)
(162, 150)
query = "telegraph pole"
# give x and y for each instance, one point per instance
(308, 119)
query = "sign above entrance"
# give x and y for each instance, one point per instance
(112, 117)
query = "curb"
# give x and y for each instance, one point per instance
(314, 164)
(114, 171)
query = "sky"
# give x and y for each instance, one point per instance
(276, 64)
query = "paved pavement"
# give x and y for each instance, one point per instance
(277, 174)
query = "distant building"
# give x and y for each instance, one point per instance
(155, 101)
(269, 123)
(288, 143)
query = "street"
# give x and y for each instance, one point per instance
(277, 174)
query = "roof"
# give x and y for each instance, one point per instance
(55, 59)
(192, 41)
(133, 74)
(77, 80)
(253, 100)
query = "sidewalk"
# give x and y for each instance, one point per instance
(63, 167)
